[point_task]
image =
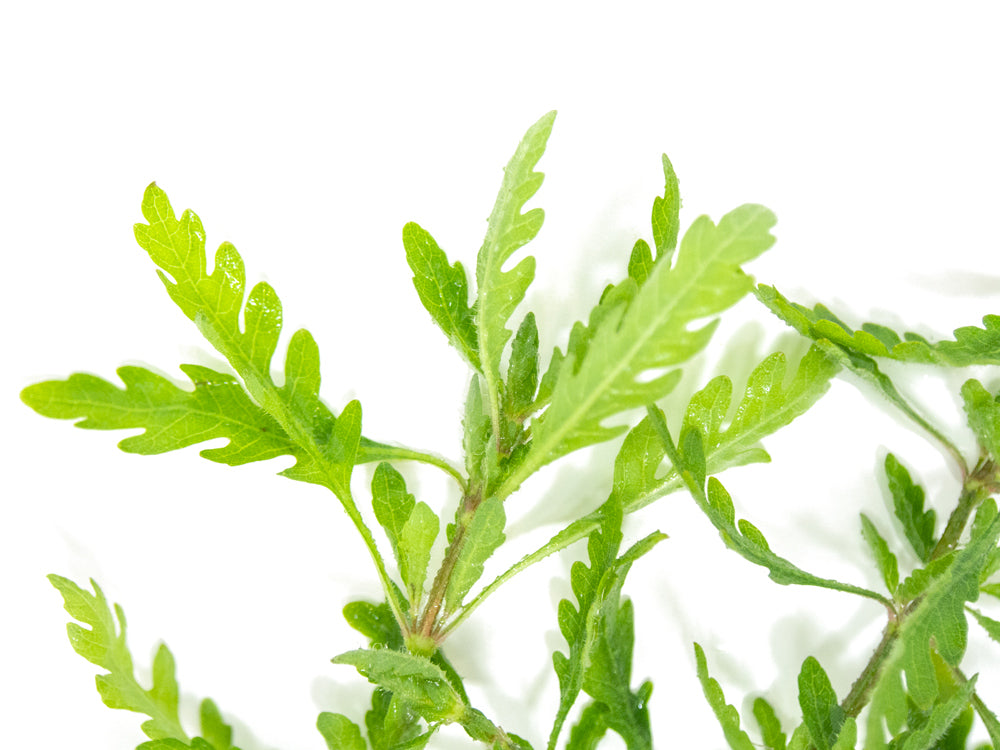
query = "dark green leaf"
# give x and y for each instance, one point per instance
(592, 726)
(983, 413)
(443, 289)
(908, 503)
(770, 726)
(376, 622)
(522, 371)
(820, 710)
(941, 718)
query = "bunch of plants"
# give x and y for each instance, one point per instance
(525, 410)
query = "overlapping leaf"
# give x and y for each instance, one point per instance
(652, 333)
(104, 643)
(971, 346)
(600, 635)
(821, 713)
(499, 291)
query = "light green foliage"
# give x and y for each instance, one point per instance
(600, 636)
(340, 732)
(983, 413)
(908, 504)
(103, 643)
(484, 535)
(913, 694)
(728, 716)
(770, 727)
(500, 291)
(884, 558)
(821, 713)
(444, 291)
(652, 332)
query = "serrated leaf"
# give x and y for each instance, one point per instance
(413, 679)
(770, 726)
(104, 643)
(500, 291)
(444, 291)
(991, 626)
(728, 716)
(415, 544)
(483, 536)
(652, 333)
(983, 414)
(908, 504)
(340, 732)
(522, 371)
(887, 564)
(599, 633)
(820, 711)
(392, 504)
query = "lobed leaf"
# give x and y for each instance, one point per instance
(392, 504)
(983, 413)
(444, 291)
(821, 713)
(728, 716)
(908, 504)
(887, 564)
(104, 643)
(500, 291)
(340, 732)
(770, 727)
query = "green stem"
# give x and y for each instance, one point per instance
(862, 688)
(408, 454)
(977, 487)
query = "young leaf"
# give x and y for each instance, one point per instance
(983, 413)
(640, 262)
(666, 214)
(499, 291)
(104, 644)
(908, 503)
(340, 732)
(991, 626)
(413, 679)
(884, 558)
(391, 502)
(770, 726)
(820, 710)
(416, 541)
(444, 291)
(942, 717)
(649, 334)
(483, 536)
(522, 372)
(591, 727)
(728, 716)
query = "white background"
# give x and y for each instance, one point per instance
(308, 134)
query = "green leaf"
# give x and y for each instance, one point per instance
(640, 263)
(666, 214)
(884, 558)
(848, 737)
(392, 504)
(104, 644)
(444, 291)
(500, 291)
(476, 433)
(908, 504)
(416, 541)
(743, 537)
(728, 716)
(340, 732)
(991, 626)
(590, 728)
(650, 334)
(483, 536)
(941, 719)
(820, 711)
(413, 679)
(392, 724)
(938, 618)
(522, 371)
(376, 622)
(983, 413)
(770, 726)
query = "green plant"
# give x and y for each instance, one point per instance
(519, 418)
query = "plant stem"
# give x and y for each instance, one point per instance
(977, 487)
(862, 688)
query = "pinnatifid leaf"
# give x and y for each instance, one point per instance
(820, 711)
(444, 291)
(908, 504)
(340, 732)
(983, 413)
(884, 558)
(500, 291)
(104, 643)
(483, 536)
(728, 716)
(650, 334)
